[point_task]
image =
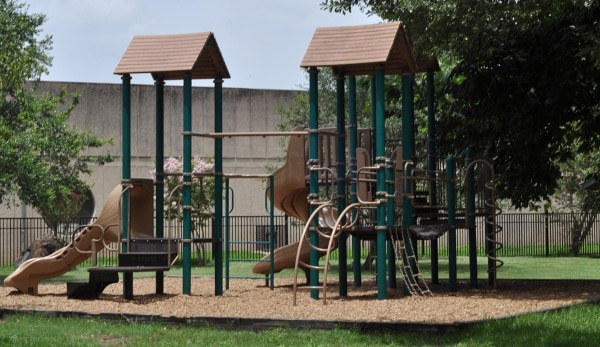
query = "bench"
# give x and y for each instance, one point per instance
(144, 255)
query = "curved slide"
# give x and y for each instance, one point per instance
(290, 196)
(29, 274)
(290, 191)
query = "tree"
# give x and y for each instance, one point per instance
(203, 188)
(41, 158)
(298, 114)
(584, 204)
(522, 82)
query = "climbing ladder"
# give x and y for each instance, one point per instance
(329, 225)
(409, 266)
(319, 221)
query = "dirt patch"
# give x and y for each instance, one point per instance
(252, 299)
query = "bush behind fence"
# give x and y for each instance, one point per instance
(523, 234)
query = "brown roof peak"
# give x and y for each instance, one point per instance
(359, 50)
(170, 57)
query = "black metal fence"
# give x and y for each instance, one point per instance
(522, 234)
(544, 234)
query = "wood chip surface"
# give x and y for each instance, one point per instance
(252, 299)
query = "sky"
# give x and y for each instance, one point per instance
(262, 41)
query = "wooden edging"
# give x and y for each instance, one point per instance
(255, 324)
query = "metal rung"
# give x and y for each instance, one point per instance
(316, 267)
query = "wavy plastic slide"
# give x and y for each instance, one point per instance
(285, 257)
(29, 274)
(290, 196)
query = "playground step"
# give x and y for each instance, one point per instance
(440, 219)
(428, 231)
(145, 255)
(152, 252)
(92, 288)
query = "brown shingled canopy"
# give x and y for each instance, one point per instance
(359, 50)
(170, 57)
(427, 64)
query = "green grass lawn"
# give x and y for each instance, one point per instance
(576, 326)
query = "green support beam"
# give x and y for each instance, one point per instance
(432, 166)
(187, 184)
(408, 155)
(340, 111)
(126, 169)
(353, 136)
(218, 225)
(391, 221)
(381, 189)
(452, 269)
(159, 183)
(313, 158)
(126, 154)
(160, 156)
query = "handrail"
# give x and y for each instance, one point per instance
(245, 134)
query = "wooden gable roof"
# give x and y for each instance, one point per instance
(359, 50)
(170, 57)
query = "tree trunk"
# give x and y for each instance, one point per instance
(580, 230)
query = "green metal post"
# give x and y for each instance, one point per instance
(381, 189)
(373, 114)
(227, 234)
(431, 135)
(408, 154)
(352, 125)
(391, 221)
(126, 151)
(407, 220)
(272, 231)
(126, 170)
(432, 166)
(159, 183)
(470, 217)
(187, 184)
(218, 250)
(160, 154)
(452, 270)
(313, 155)
(341, 178)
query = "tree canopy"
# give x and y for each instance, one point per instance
(521, 81)
(41, 159)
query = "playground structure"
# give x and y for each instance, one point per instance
(341, 182)
(397, 209)
(289, 196)
(88, 240)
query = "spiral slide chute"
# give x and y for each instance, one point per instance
(104, 231)
(285, 257)
(290, 196)
(290, 189)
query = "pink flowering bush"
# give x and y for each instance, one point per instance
(203, 188)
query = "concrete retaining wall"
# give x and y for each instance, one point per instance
(99, 111)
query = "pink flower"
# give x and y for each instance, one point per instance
(200, 165)
(173, 165)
